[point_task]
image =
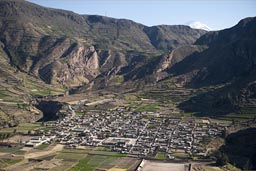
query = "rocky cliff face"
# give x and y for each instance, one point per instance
(79, 66)
(170, 59)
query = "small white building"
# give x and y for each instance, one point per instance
(38, 140)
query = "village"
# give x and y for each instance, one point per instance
(138, 134)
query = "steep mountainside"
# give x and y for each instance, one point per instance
(229, 61)
(16, 91)
(241, 149)
(62, 47)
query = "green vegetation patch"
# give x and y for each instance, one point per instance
(83, 151)
(221, 121)
(231, 118)
(148, 108)
(107, 153)
(239, 117)
(19, 152)
(5, 135)
(80, 113)
(180, 155)
(130, 97)
(22, 128)
(157, 95)
(119, 79)
(70, 156)
(152, 125)
(102, 149)
(8, 162)
(11, 162)
(82, 165)
(160, 156)
(42, 146)
(3, 94)
(95, 162)
(12, 150)
(35, 87)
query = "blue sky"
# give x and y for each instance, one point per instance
(217, 14)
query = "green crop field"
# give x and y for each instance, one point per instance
(94, 162)
(81, 151)
(23, 128)
(107, 153)
(82, 165)
(12, 150)
(148, 108)
(42, 147)
(180, 155)
(160, 156)
(7, 162)
(70, 156)
(89, 159)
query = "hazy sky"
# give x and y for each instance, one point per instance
(217, 14)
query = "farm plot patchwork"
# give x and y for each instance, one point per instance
(99, 162)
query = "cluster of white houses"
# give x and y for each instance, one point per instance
(39, 140)
(135, 133)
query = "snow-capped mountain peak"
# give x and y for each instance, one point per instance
(199, 25)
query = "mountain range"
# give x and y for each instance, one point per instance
(64, 49)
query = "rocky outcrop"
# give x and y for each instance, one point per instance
(177, 55)
(80, 65)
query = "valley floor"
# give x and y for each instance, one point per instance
(96, 134)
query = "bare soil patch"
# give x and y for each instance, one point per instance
(55, 149)
(155, 165)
